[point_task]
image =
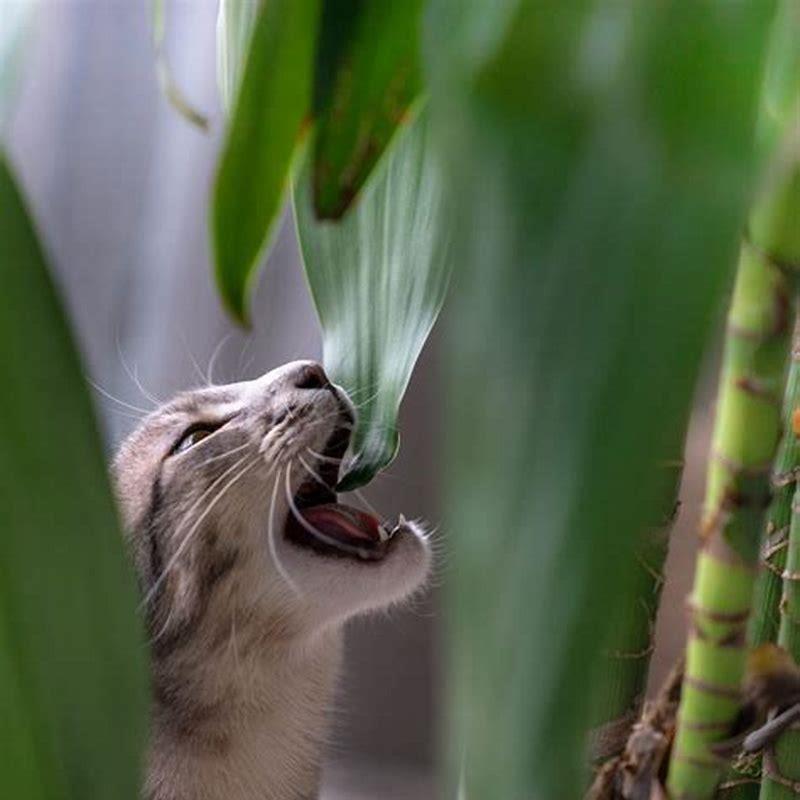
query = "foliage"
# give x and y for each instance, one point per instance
(376, 312)
(362, 59)
(594, 160)
(73, 690)
(267, 121)
(367, 73)
(72, 672)
(598, 156)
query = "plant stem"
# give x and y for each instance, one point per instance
(781, 764)
(623, 677)
(745, 436)
(743, 780)
(746, 431)
(766, 619)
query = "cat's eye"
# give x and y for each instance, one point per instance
(196, 433)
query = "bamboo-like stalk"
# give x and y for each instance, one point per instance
(781, 764)
(743, 780)
(623, 677)
(745, 434)
(766, 619)
(745, 437)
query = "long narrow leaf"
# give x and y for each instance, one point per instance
(367, 78)
(271, 105)
(598, 156)
(72, 670)
(235, 22)
(378, 278)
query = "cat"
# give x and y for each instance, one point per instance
(248, 570)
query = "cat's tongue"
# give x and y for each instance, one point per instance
(345, 524)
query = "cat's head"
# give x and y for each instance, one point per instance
(226, 496)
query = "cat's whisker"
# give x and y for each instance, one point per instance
(212, 362)
(153, 398)
(368, 388)
(195, 366)
(324, 419)
(233, 643)
(315, 532)
(121, 412)
(370, 507)
(366, 401)
(323, 457)
(316, 476)
(273, 547)
(220, 456)
(109, 396)
(242, 367)
(360, 495)
(196, 525)
(134, 376)
(164, 628)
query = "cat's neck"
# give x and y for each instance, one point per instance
(242, 728)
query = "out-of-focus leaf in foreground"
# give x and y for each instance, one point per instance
(367, 77)
(378, 278)
(235, 21)
(73, 688)
(598, 156)
(272, 102)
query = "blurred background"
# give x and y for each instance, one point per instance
(119, 184)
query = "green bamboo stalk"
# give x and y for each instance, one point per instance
(780, 219)
(745, 437)
(766, 620)
(781, 764)
(743, 781)
(623, 676)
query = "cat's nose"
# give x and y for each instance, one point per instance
(309, 375)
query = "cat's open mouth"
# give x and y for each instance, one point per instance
(318, 522)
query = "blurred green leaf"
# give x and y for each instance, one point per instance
(272, 103)
(166, 82)
(781, 79)
(378, 278)
(235, 21)
(73, 688)
(599, 157)
(367, 77)
(15, 24)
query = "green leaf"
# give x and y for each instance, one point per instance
(73, 688)
(599, 157)
(378, 278)
(368, 76)
(166, 82)
(271, 106)
(235, 22)
(15, 24)
(781, 90)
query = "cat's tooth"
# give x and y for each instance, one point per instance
(383, 534)
(390, 534)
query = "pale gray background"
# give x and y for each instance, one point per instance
(119, 185)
